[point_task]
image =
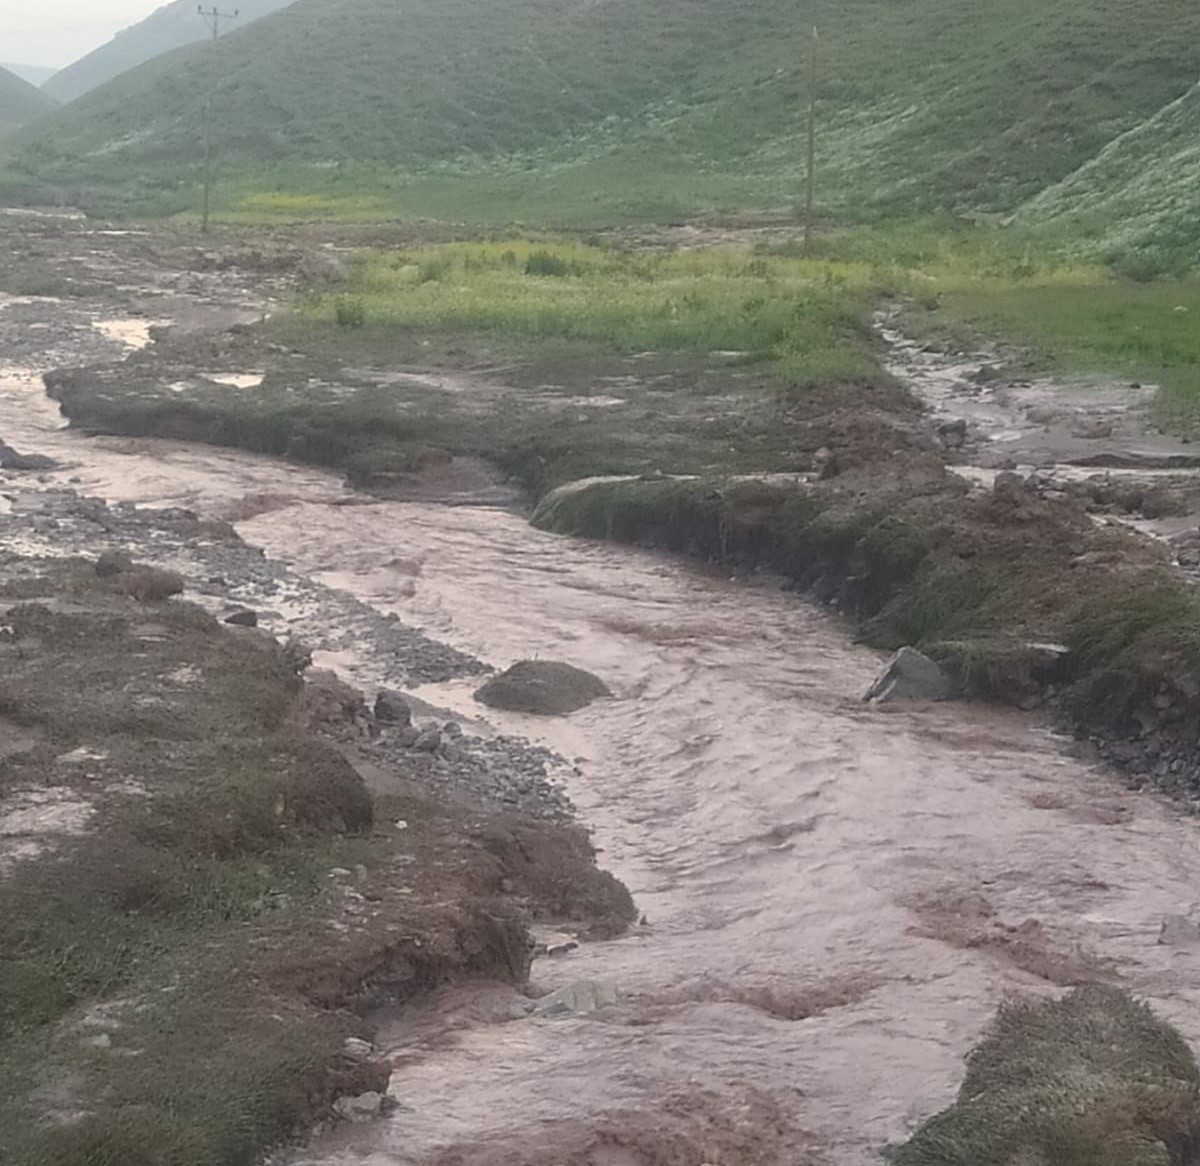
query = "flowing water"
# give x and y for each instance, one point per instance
(836, 895)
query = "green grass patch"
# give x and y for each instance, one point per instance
(806, 316)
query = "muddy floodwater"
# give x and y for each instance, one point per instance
(836, 896)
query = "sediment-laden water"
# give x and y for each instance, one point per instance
(836, 895)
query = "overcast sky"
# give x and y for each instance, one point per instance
(56, 32)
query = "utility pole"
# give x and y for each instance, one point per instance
(810, 188)
(212, 17)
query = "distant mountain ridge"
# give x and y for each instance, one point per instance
(170, 27)
(20, 102)
(36, 75)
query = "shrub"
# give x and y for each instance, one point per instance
(350, 312)
(547, 263)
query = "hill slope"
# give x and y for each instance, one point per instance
(1139, 194)
(19, 101)
(962, 104)
(170, 27)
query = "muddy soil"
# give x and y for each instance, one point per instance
(835, 896)
(1088, 438)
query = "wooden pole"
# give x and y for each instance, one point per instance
(811, 184)
(212, 17)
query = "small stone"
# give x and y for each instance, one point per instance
(243, 618)
(364, 1107)
(953, 433)
(408, 737)
(149, 584)
(428, 741)
(1178, 931)
(578, 999)
(10, 459)
(113, 563)
(357, 1049)
(546, 687)
(392, 709)
(561, 949)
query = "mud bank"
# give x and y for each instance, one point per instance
(213, 858)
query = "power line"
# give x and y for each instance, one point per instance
(212, 17)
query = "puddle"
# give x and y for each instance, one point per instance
(132, 333)
(31, 819)
(235, 380)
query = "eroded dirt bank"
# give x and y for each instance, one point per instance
(836, 896)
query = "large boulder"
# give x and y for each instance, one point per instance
(10, 459)
(911, 675)
(1094, 1079)
(542, 686)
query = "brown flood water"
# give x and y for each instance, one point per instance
(837, 896)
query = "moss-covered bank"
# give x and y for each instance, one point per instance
(1026, 598)
(1094, 1079)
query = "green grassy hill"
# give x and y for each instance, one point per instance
(926, 104)
(20, 102)
(1139, 195)
(170, 27)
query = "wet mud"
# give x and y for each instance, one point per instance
(834, 896)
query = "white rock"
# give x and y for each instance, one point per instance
(360, 1050)
(364, 1107)
(578, 999)
(910, 675)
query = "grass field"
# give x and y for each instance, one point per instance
(804, 316)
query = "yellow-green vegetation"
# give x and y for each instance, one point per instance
(1094, 1079)
(805, 316)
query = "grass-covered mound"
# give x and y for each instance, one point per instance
(552, 360)
(1094, 1079)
